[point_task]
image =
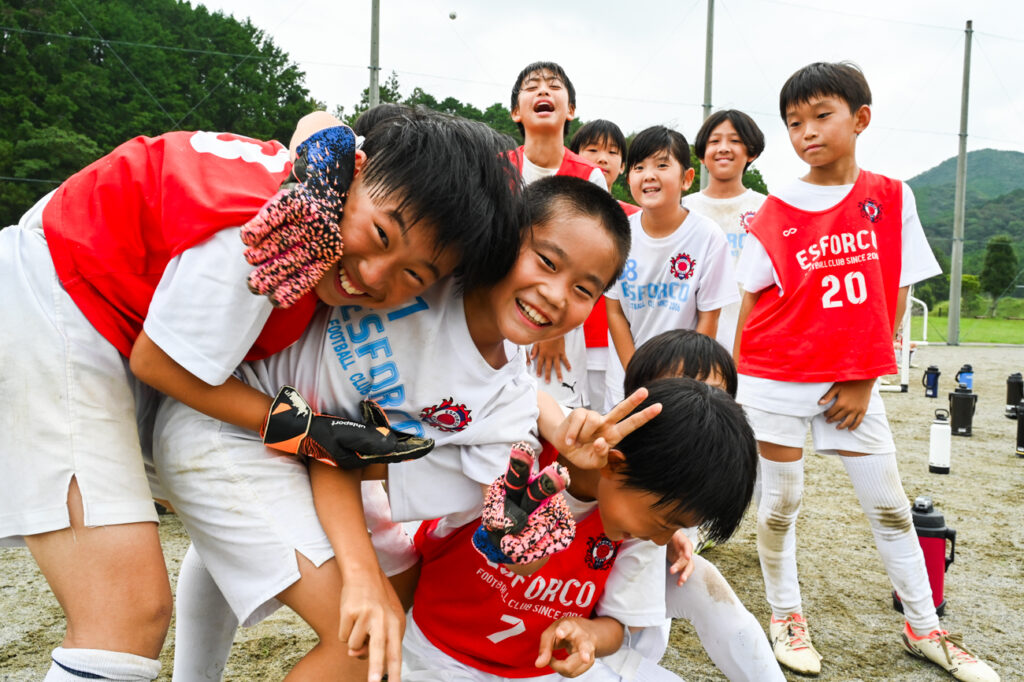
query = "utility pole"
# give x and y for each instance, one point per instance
(375, 53)
(708, 50)
(957, 265)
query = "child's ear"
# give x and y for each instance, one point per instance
(861, 118)
(616, 460)
(572, 112)
(515, 115)
(688, 178)
(360, 161)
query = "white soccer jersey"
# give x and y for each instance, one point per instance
(420, 364)
(666, 282)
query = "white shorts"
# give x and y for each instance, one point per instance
(424, 662)
(248, 509)
(69, 403)
(873, 436)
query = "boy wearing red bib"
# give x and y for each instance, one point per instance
(825, 277)
(473, 619)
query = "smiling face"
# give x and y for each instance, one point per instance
(823, 131)
(659, 181)
(630, 513)
(562, 270)
(387, 260)
(725, 154)
(607, 156)
(543, 103)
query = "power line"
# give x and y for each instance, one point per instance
(46, 182)
(128, 43)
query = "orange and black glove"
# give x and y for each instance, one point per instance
(293, 427)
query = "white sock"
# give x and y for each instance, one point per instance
(205, 625)
(75, 665)
(782, 489)
(730, 634)
(876, 480)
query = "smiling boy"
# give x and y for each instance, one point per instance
(446, 367)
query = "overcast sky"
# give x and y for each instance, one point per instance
(642, 63)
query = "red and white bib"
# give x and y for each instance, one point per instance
(112, 227)
(832, 319)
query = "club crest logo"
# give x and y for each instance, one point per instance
(446, 416)
(682, 266)
(745, 220)
(871, 209)
(601, 553)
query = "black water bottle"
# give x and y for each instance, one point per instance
(1014, 394)
(961, 410)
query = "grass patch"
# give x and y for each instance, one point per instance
(971, 330)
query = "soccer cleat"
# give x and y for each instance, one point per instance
(947, 651)
(791, 643)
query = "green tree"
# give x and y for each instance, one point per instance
(80, 78)
(1000, 269)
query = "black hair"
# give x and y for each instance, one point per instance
(374, 115)
(844, 80)
(550, 199)
(599, 132)
(535, 68)
(454, 174)
(657, 139)
(680, 352)
(698, 456)
(750, 134)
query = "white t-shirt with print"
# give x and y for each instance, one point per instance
(421, 365)
(667, 281)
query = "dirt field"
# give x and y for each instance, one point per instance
(845, 590)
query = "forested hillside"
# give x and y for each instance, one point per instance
(79, 78)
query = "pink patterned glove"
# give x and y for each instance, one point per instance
(524, 518)
(296, 237)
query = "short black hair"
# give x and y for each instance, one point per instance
(374, 115)
(534, 68)
(680, 352)
(844, 80)
(454, 174)
(655, 140)
(551, 198)
(698, 455)
(599, 132)
(750, 134)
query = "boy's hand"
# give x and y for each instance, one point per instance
(296, 237)
(373, 624)
(525, 518)
(550, 355)
(851, 398)
(680, 556)
(292, 426)
(586, 436)
(574, 636)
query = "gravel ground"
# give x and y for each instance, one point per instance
(845, 590)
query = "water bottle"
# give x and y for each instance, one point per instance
(1020, 428)
(961, 410)
(930, 381)
(932, 533)
(939, 443)
(966, 377)
(1014, 394)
